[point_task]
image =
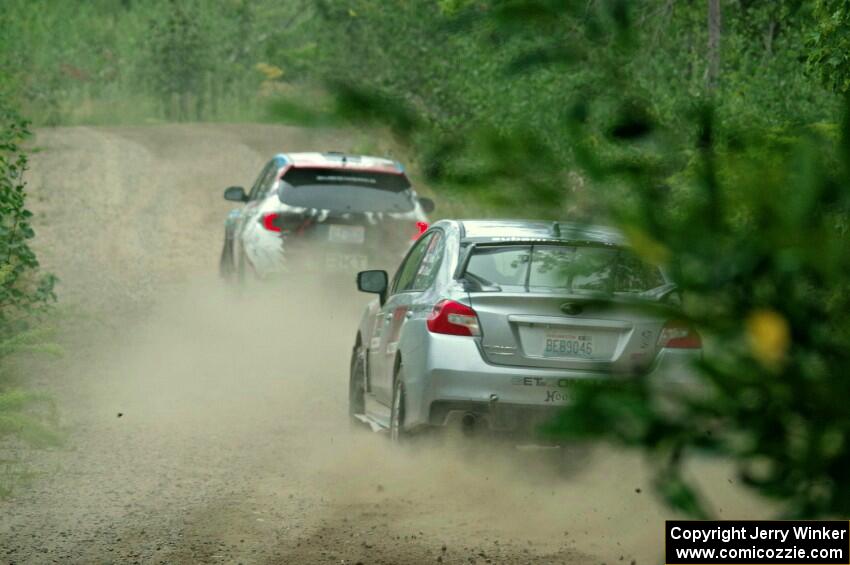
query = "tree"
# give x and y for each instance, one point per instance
(180, 59)
(829, 43)
(712, 72)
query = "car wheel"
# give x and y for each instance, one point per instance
(225, 264)
(357, 384)
(397, 433)
(240, 268)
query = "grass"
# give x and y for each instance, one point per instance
(28, 418)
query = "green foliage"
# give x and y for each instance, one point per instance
(521, 67)
(102, 61)
(485, 76)
(599, 111)
(27, 417)
(24, 294)
(180, 60)
(20, 290)
(829, 42)
(18, 417)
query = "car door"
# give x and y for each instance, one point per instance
(415, 275)
(258, 192)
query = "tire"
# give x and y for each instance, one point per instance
(357, 385)
(397, 432)
(226, 268)
(241, 269)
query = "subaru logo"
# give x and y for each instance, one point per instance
(571, 308)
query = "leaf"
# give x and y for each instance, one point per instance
(680, 495)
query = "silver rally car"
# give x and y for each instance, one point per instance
(487, 323)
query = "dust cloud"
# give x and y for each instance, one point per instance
(208, 424)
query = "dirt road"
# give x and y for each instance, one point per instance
(210, 427)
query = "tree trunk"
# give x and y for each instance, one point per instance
(768, 38)
(712, 71)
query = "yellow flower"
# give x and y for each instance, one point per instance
(769, 337)
(271, 72)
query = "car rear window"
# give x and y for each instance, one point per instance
(346, 190)
(571, 268)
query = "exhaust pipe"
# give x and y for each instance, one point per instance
(468, 423)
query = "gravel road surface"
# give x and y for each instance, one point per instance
(209, 426)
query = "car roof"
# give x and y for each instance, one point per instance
(339, 160)
(493, 231)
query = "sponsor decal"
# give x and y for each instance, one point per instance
(540, 381)
(334, 178)
(555, 396)
(395, 329)
(555, 387)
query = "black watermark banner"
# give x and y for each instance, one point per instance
(761, 542)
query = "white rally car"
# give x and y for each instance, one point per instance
(322, 213)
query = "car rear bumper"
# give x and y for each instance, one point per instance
(272, 253)
(521, 420)
(455, 381)
(270, 257)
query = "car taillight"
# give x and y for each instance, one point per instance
(453, 318)
(421, 227)
(270, 222)
(677, 334)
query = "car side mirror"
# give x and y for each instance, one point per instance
(427, 204)
(374, 282)
(235, 194)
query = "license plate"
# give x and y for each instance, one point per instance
(352, 263)
(568, 345)
(347, 234)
